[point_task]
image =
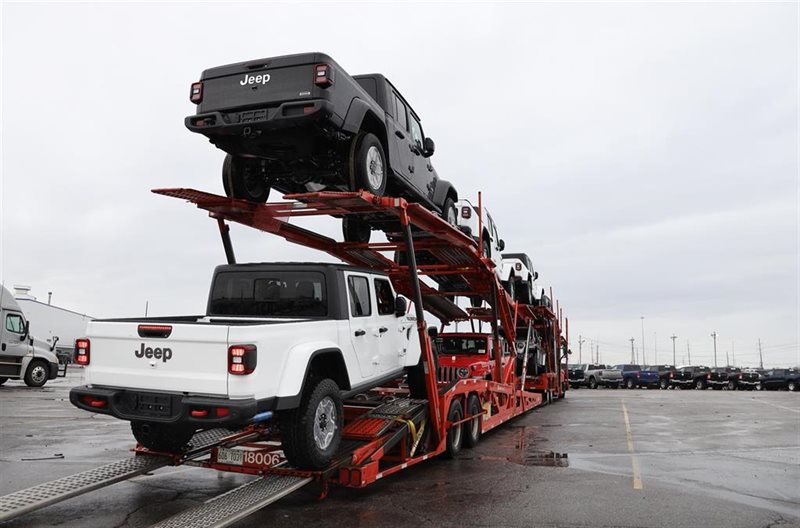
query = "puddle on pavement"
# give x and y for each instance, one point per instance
(519, 447)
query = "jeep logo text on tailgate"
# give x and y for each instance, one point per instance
(255, 79)
(164, 354)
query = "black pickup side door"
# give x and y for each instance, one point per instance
(400, 139)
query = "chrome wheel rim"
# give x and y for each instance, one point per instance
(374, 167)
(476, 427)
(457, 434)
(38, 374)
(325, 423)
(452, 216)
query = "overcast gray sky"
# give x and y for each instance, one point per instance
(645, 155)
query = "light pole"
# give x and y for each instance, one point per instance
(633, 354)
(714, 335)
(644, 360)
(581, 341)
(760, 356)
(688, 352)
(655, 349)
(673, 337)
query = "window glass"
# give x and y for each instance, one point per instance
(269, 294)
(461, 345)
(385, 297)
(359, 296)
(400, 113)
(416, 131)
(14, 324)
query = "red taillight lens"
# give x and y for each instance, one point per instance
(97, 403)
(466, 212)
(708, 376)
(196, 93)
(242, 359)
(222, 412)
(638, 375)
(323, 75)
(671, 375)
(199, 413)
(82, 349)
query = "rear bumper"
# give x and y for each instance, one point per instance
(170, 408)
(609, 381)
(252, 121)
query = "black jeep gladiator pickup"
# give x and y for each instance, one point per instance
(300, 123)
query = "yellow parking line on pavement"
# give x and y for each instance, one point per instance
(637, 475)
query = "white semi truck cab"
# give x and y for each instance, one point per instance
(21, 355)
(285, 339)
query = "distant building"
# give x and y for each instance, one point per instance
(49, 321)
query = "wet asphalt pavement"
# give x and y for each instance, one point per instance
(685, 459)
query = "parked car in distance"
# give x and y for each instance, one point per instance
(518, 267)
(690, 377)
(718, 377)
(300, 123)
(577, 378)
(598, 375)
(634, 376)
(664, 374)
(743, 379)
(464, 355)
(779, 379)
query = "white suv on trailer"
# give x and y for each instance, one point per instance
(286, 338)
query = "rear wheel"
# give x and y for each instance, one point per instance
(511, 287)
(454, 433)
(369, 165)
(759, 386)
(592, 383)
(355, 230)
(37, 374)
(3, 380)
(731, 385)
(663, 384)
(245, 178)
(792, 386)
(472, 429)
(166, 438)
(311, 434)
(700, 384)
(630, 384)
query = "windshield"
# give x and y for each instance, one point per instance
(269, 294)
(461, 345)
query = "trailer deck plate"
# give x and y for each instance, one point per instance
(238, 503)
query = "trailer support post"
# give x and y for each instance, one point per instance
(425, 340)
(225, 233)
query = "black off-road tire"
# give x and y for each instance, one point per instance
(629, 384)
(37, 374)
(165, 438)
(592, 383)
(243, 178)
(472, 429)
(700, 384)
(449, 211)
(791, 386)
(297, 426)
(369, 159)
(3, 380)
(663, 384)
(455, 434)
(355, 230)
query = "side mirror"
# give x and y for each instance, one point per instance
(535, 275)
(26, 330)
(53, 346)
(501, 245)
(428, 147)
(400, 306)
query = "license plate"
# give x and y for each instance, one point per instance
(233, 457)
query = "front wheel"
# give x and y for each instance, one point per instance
(731, 385)
(449, 211)
(37, 374)
(592, 383)
(792, 386)
(311, 434)
(355, 230)
(166, 438)
(370, 169)
(630, 384)
(245, 178)
(663, 384)
(700, 385)
(511, 287)
(759, 386)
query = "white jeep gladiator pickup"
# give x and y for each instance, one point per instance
(292, 339)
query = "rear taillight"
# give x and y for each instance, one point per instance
(323, 75)
(196, 93)
(708, 376)
(638, 375)
(242, 359)
(671, 375)
(466, 212)
(82, 349)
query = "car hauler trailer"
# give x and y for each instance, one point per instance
(385, 430)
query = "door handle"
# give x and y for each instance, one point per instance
(399, 134)
(360, 333)
(383, 330)
(410, 168)
(3, 347)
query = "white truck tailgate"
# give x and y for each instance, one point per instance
(192, 359)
